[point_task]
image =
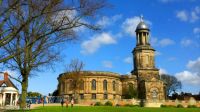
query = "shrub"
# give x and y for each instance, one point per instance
(163, 105)
(117, 105)
(142, 103)
(170, 106)
(108, 103)
(98, 104)
(179, 106)
(131, 105)
(192, 106)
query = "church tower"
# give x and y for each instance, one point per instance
(144, 65)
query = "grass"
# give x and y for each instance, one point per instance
(107, 109)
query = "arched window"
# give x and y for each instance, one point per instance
(81, 85)
(63, 86)
(114, 85)
(93, 84)
(105, 85)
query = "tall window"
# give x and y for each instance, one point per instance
(71, 85)
(93, 84)
(63, 86)
(105, 85)
(114, 85)
(81, 85)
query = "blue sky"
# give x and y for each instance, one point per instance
(175, 35)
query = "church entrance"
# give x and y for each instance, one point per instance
(154, 95)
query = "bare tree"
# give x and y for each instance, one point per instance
(46, 24)
(74, 70)
(172, 84)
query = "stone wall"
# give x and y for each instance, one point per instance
(185, 103)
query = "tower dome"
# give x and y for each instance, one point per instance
(142, 26)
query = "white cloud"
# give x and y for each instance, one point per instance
(162, 71)
(182, 15)
(172, 58)
(153, 41)
(92, 45)
(162, 43)
(106, 21)
(196, 30)
(188, 77)
(166, 42)
(186, 42)
(107, 64)
(157, 53)
(194, 16)
(130, 24)
(190, 16)
(172, 1)
(192, 75)
(197, 9)
(128, 60)
(194, 66)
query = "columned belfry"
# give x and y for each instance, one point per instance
(144, 65)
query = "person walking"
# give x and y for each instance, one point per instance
(66, 102)
(72, 102)
(62, 102)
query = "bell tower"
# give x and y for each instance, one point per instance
(144, 64)
(143, 53)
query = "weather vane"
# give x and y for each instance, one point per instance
(141, 18)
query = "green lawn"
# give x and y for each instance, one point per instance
(109, 109)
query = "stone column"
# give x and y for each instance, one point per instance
(61, 87)
(16, 98)
(98, 85)
(11, 99)
(3, 100)
(88, 85)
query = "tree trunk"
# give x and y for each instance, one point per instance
(24, 85)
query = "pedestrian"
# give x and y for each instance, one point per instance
(42, 101)
(72, 102)
(29, 104)
(62, 102)
(66, 102)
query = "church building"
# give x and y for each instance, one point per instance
(101, 85)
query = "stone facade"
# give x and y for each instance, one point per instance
(110, 86)
(95, 85)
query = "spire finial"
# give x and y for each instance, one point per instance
(141, 18)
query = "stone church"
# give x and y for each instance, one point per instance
(101, 85)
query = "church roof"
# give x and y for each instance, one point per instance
(7, 83)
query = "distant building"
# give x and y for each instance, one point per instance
(8, 92)
(109, 86)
